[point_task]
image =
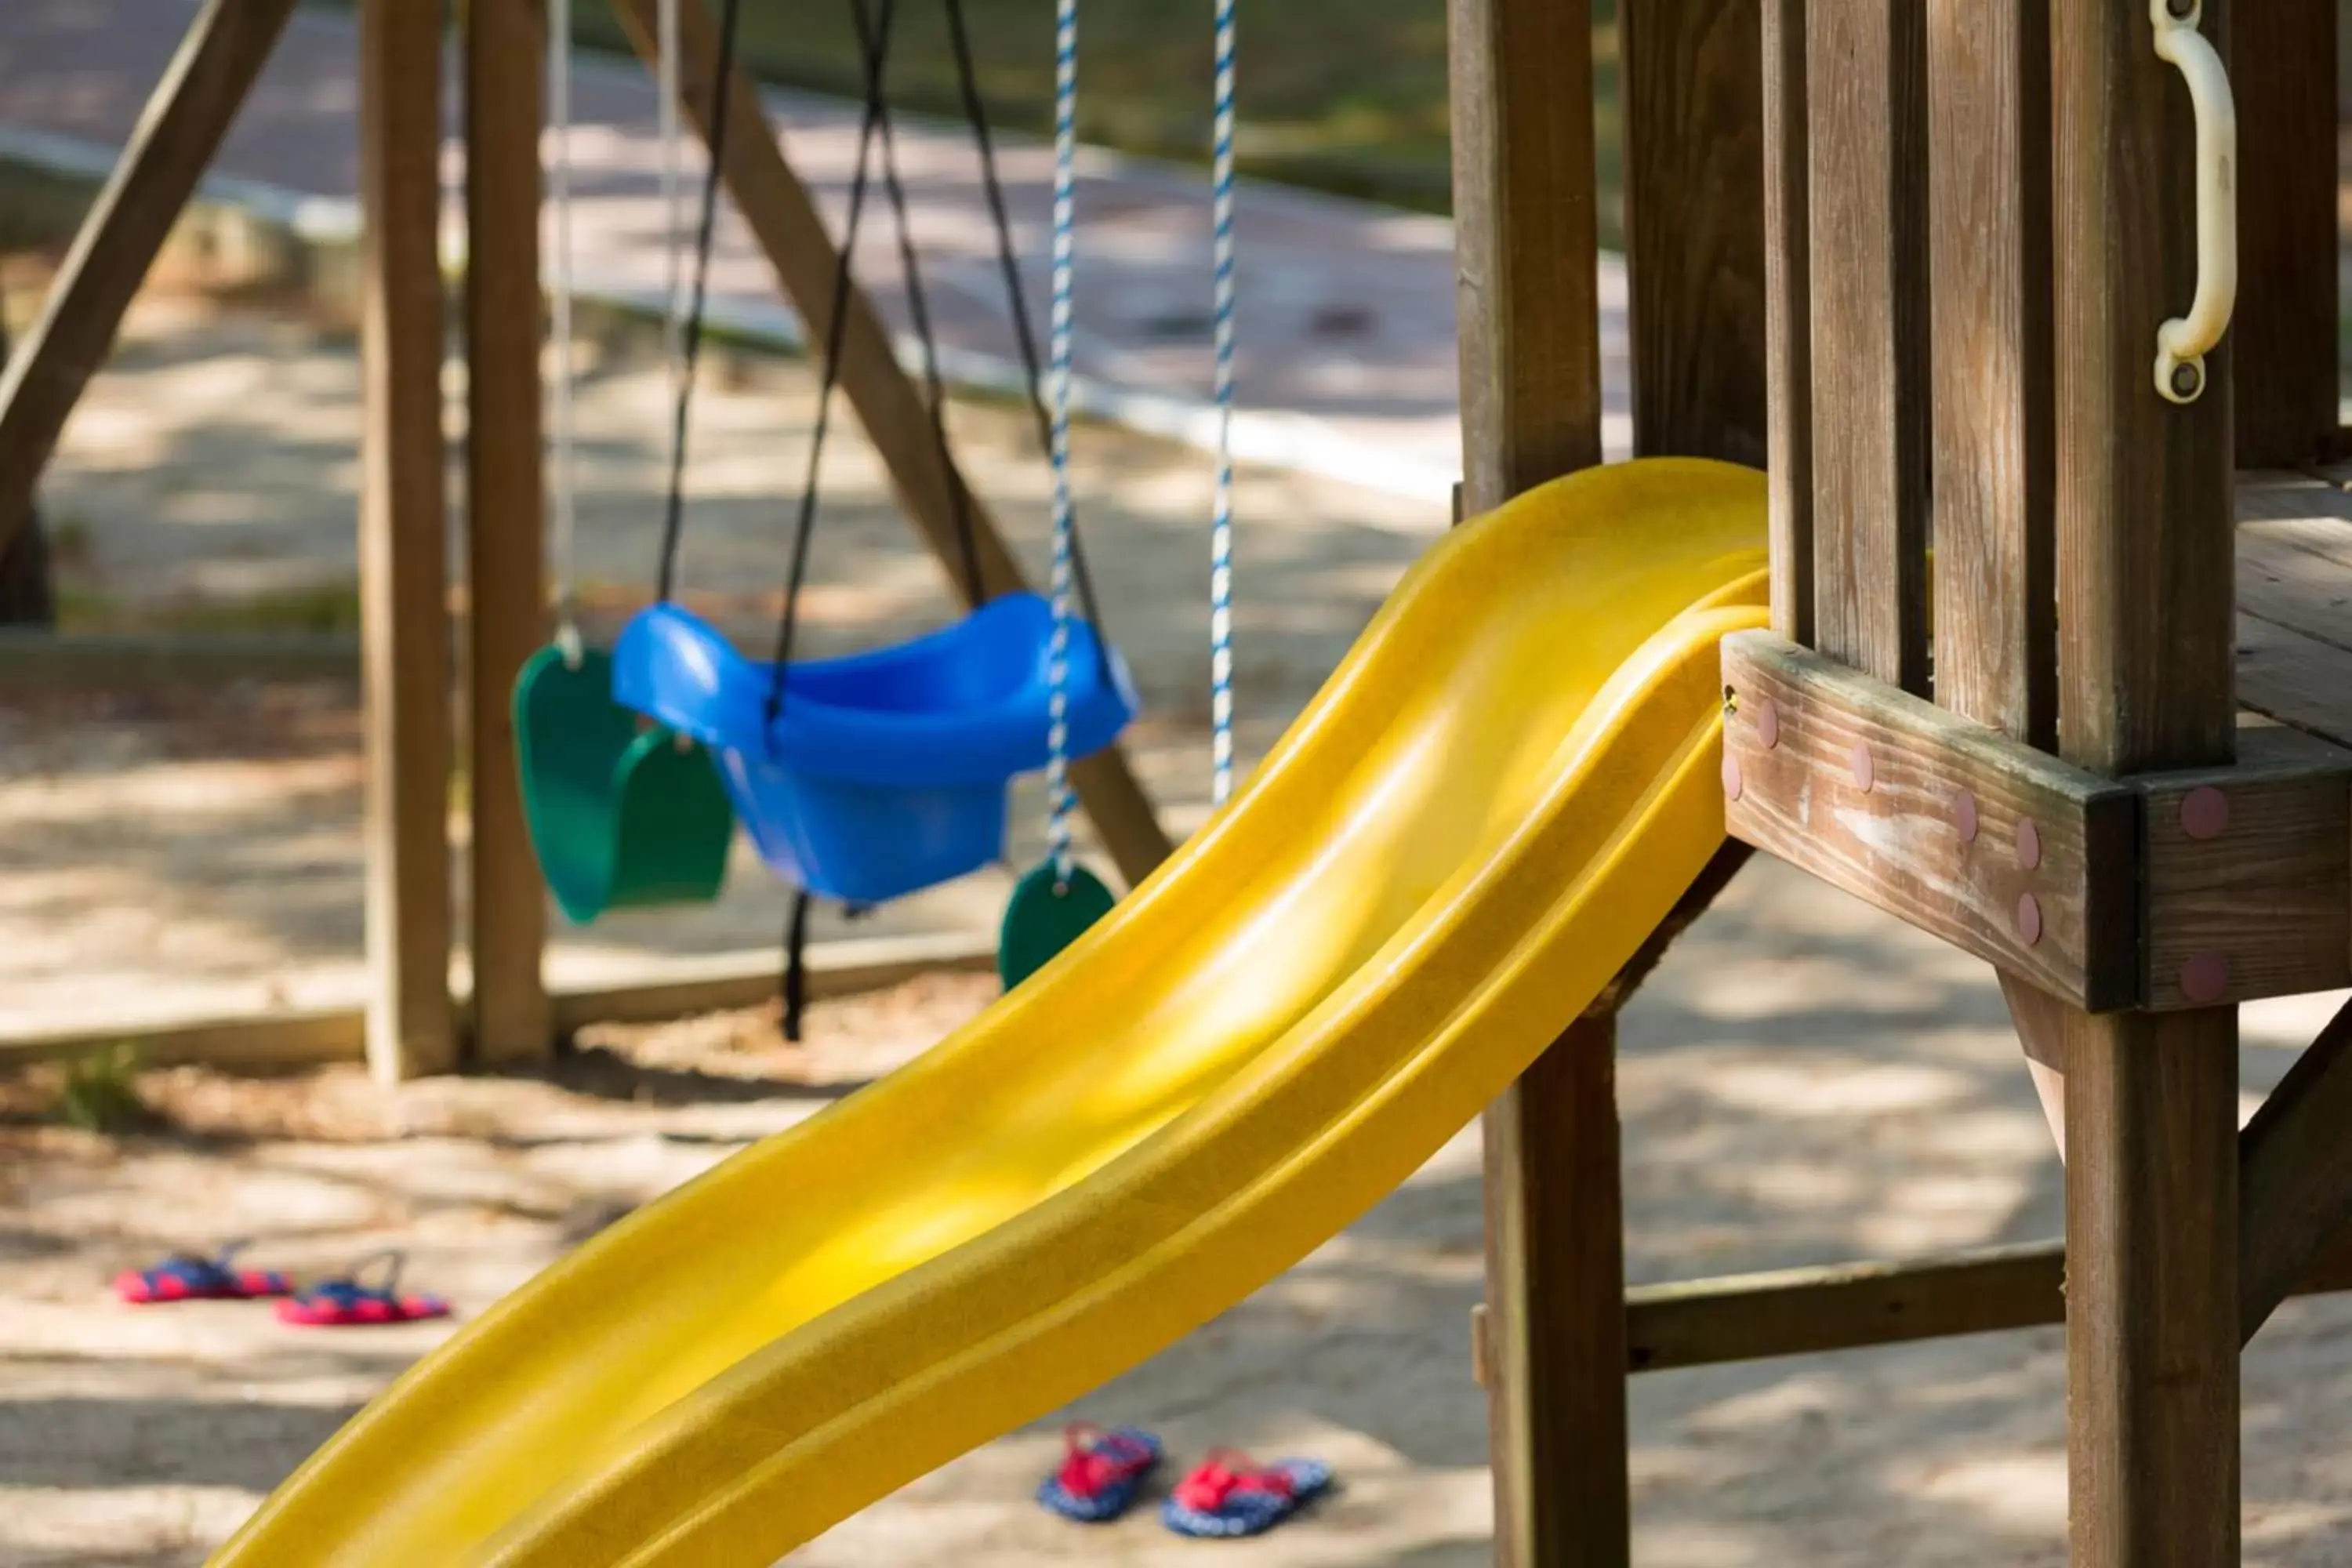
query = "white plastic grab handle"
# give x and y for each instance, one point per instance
(2182, 343)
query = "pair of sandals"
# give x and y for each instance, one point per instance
(348, 1299)
(1226, 1496)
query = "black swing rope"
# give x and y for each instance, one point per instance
(674, 510)
(874, 38)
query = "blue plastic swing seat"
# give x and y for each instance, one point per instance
(883, 772)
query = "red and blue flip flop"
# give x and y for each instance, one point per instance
(1229, 1496)
(349, 1302)
(1100, 1474)
(186, 1277)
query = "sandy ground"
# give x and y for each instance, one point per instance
(1803, 1081)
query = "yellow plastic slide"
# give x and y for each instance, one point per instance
(1502, 790)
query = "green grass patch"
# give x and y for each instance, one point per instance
(98, 1091)
(323, 609)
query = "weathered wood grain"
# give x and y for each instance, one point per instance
(2145, 658)
(1848, 1306)
(2247, 874)
(1527, 288)
(1693, 133)
(2294, 1193)
(2042, 831)
(1788, 321)
(1989, 244)
(1866, 115)
(1527, 305)
(2284, 71)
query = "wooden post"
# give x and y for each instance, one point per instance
(505, 575)
(1555, 1320)
(1788, 321)
(784, 220)
(1694, 134)
(2283, 61)
(1866, 125)
(185, 118)
(1526, 292)
(1994, 442)
(405, 617)
(1528, 300)
(2145, 568)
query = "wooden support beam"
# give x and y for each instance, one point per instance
(1555, 1323)
(784, 220)
(2008, 852)
(1694, 137)
(1994, 440)
(185, 118)
(2168, 890)
(1866, 119)
(404, 590)
(661, 991)
(2283, 65)
(1526, 287)
(2145, 579)
(1788, 319)
(2294, 1186)
(506, 577)
(1528, 299)
(2247, 874)
(1854, 1306)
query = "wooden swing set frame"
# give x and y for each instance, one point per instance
(413, 1024)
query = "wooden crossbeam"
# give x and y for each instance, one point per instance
(2295, 1181)
(178, 132)
(1851, 1306)
(2005, 851)
(2168, 890)
(784, 220)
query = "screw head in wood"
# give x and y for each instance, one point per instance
(1866, 772)
(2204, 813)
(2188, 380)
(1732, 783)
(2029, 844)
(1964, 816)
(1768, 723)
(2205, 977)
(2029, 918)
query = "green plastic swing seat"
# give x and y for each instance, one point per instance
(620, 815)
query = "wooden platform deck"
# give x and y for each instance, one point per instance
(2294, 599)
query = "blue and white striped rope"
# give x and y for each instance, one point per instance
(1220, 528)
(562, 479)
(1065, 148)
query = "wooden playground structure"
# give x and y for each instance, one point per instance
(1915, 260)
(430, 673)
(1918, 262)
